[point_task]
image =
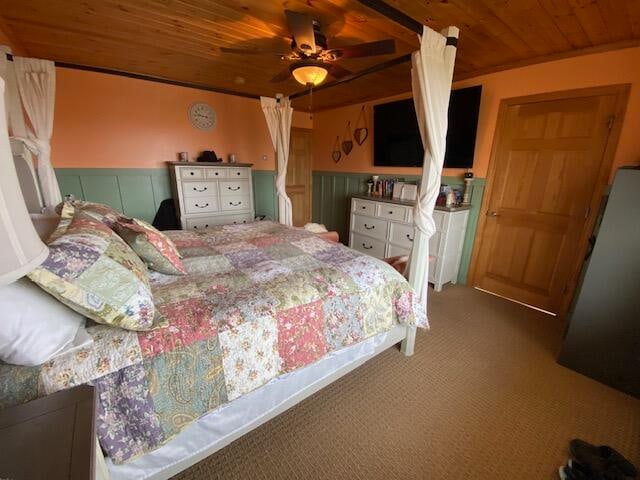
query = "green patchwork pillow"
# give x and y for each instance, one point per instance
(151, 245)
(93, 271)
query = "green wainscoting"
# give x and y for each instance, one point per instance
(137, 192)
(331, 203)
(264, 193)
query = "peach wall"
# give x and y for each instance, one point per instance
(109, 121)
(619, 66)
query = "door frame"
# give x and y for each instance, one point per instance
(621, 91)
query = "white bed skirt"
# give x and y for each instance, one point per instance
(219, 428)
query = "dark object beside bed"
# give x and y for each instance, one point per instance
(166, 217)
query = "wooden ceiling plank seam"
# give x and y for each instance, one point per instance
(508, 36)
(141, 23)
(633, 9)
(591, 20)
(566, 20)
(518, 14)
(616, 18)
(142, 57)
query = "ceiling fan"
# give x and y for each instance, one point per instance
(311, 59)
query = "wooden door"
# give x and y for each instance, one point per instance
(551, 161)
(299, 175)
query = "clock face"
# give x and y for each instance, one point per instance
(202, 116)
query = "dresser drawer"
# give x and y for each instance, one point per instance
(234, 187)
(392, 212)
(201, 223)
(236, 202)
(200, 204)
(363, 207)
(367, 245)
(396, 251)
(373, 227)
(199, 189)
(238, 172)
(401, 234)
(216, 172)
(191, 173)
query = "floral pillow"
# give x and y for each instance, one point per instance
(152, 246)
(103, 213)
(93, 271)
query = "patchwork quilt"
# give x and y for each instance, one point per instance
(259, 300)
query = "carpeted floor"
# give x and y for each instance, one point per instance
(482, 398)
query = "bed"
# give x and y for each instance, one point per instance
(265, 316)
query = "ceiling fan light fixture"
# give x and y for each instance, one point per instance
(309, 73)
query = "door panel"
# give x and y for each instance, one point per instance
(546, 166)
(299, 176)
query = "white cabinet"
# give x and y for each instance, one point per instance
(209, 194)
(384, 228)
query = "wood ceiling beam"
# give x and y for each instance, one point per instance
(150, 78)
(394, 15)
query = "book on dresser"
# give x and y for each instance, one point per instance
(383, 227)
(212, 193)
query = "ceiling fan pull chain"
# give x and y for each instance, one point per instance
(311, 101)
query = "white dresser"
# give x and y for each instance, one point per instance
(384, 228)
(208, 194)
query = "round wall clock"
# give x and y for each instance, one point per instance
(202, 116)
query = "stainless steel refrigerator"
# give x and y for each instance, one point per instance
(603, 335)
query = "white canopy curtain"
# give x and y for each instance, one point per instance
(37, 85)
(278, 113)
(431, 75)
(18, 129)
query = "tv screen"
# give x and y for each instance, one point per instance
(396, 136)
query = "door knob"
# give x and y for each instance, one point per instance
(492, 214)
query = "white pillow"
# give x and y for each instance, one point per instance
(34, 326)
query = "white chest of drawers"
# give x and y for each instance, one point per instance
(209, 194)
(384, 228)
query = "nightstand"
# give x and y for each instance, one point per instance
(51, 437)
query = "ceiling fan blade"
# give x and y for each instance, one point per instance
(242, 51)
(282, 76)
(337, 71)
(369, 49)
(301, 27)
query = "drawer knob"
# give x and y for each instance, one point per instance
(365, 246)
(238, 173)
(235, 204)
(216, 173)
(233, 189)
(390, 212)
(191, 173)
(202, 206)
(409, 238)
(369, 227)
(199, 190)
(363, 207)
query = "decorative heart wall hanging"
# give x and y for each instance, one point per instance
(336, 154)
(347, 143)
(361, 133)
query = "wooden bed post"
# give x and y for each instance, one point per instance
(408, 343)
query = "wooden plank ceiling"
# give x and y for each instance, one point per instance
(180, 40)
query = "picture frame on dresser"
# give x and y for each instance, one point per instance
(383, 227)
(212, 193)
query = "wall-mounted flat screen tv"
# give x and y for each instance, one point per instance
(396, 137)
